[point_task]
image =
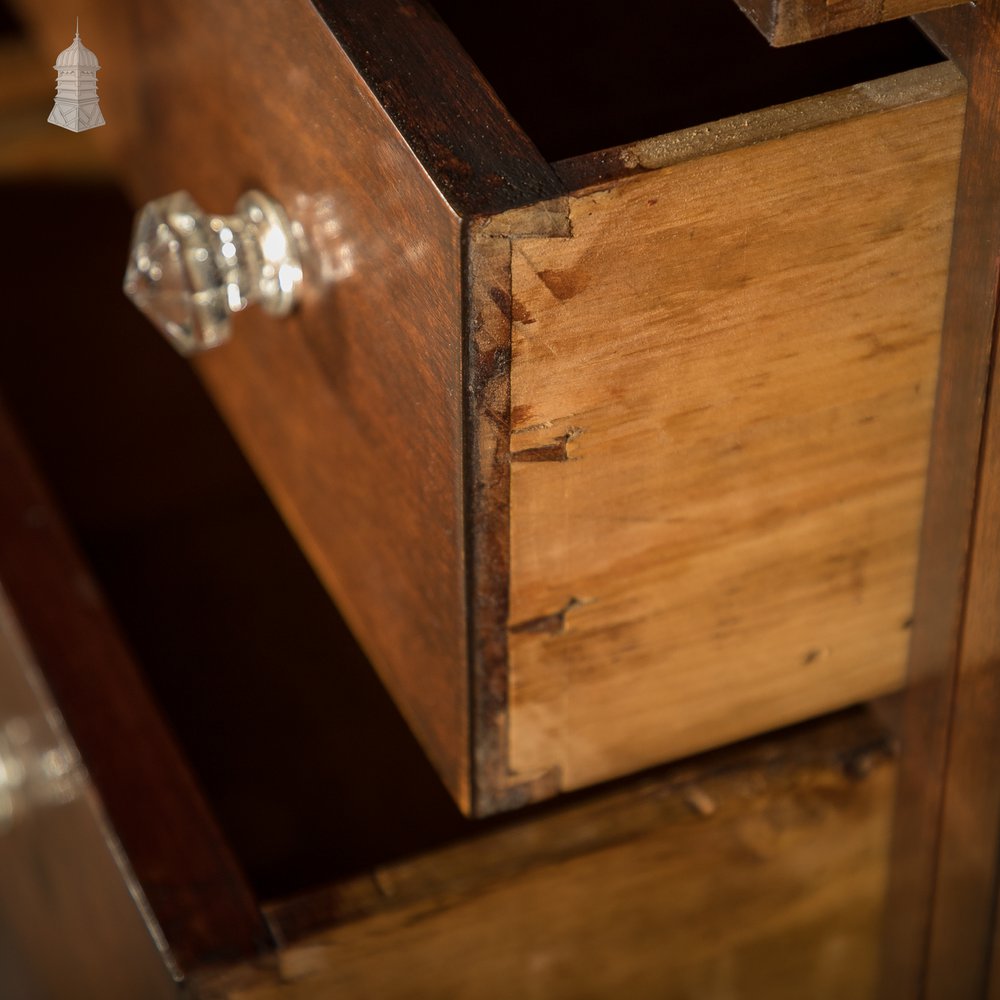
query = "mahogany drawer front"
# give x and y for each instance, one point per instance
(604, 463)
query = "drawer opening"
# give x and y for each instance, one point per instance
(578, 80)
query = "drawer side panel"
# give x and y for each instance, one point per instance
(721, 394)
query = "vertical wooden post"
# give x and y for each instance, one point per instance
(940, 923)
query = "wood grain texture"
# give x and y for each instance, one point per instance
(718, 448)
(354, 411)
(962, 925)
(945, 836)
(786, 22)
(754, 873)
(194, 887)
(350, 411)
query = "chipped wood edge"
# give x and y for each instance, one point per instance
(940, 80)
(487, 320)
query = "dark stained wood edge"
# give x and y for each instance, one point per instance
(851, 744)
(788, 22)
(487, 323)
(963, 918)
(472, 149)
(193, 885)
(944, 602)
(487, 330)
(963, 921)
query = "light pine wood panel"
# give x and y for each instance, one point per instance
(719, 443)
(785, 22)
(756, 873)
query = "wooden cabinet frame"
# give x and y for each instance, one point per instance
(942, 901)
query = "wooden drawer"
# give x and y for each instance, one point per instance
(238, 837)
(606, 457)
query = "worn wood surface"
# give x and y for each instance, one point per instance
(754, 873)
(785, 22)
(718, 448)
(194, 887)
(947, 829)
(962, 925)
(488, 315)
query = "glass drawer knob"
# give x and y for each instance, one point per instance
(189, 271)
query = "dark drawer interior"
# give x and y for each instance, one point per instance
(580, 78)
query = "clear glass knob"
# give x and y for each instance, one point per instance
(189, 271)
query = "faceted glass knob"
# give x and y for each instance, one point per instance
(189, 271)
